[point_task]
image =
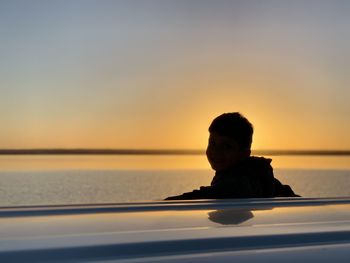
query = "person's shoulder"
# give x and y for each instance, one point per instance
(260, 165)
(283, 190)
(259, 160)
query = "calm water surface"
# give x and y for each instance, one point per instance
(30, 180)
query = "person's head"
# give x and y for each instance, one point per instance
(230, 140)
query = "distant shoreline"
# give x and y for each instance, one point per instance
(165, 152)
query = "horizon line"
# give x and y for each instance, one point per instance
(105, 151)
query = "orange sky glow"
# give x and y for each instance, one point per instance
(130, 75)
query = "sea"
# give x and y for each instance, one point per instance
(27, 180)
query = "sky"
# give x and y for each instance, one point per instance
(153, 74)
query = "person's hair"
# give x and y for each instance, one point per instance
(234, 125)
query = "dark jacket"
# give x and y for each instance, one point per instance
(252, 178)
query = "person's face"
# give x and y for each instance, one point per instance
(223, 152)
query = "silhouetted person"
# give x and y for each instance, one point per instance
(238, 175)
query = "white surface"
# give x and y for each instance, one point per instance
(196, 231)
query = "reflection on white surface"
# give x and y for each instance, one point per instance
(175, 230)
